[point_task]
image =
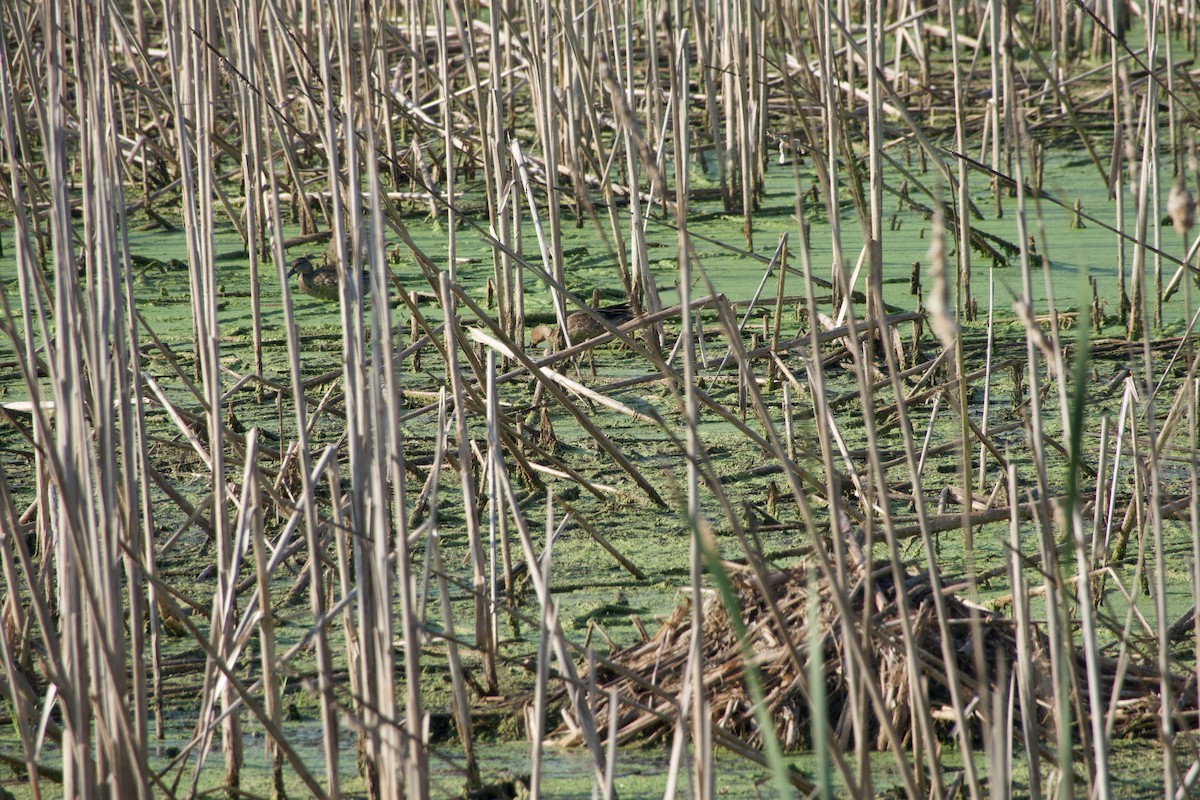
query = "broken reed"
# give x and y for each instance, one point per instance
(339, 123)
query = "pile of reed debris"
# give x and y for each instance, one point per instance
(649, 677)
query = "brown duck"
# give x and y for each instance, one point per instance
(321, 282)
(581, 325)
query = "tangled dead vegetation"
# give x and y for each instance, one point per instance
(649, 678)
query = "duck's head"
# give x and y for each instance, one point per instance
(543, 334)
(301, 266)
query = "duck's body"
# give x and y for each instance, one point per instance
(582, 325)
(321, 282)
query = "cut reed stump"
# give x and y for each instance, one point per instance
(647, 677)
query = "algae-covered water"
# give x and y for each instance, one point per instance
(598, 597)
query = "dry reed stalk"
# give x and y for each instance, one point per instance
(1100, 780)
(545, 97)
(872, 13)
(1060, 676)
(551, 264)
(777, 321)
(832, 107)
(247, 28)
(196, 83)
(389, 470)
(1136, 330)
(329, 722)
(1184, 220)
(497, 176)
(462, 707)
(549, 619)
(346, 586)
(965, 301)
(428, 500)
(447, 120)
(272, 695)
(494, 463)
(483, 634)
(703, 779)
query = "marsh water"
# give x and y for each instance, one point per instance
(595, 593)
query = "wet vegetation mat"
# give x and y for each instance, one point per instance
(790, 625)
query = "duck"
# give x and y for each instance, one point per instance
(581, 325)
(321, 282)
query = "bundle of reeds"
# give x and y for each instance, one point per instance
(790, 618)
